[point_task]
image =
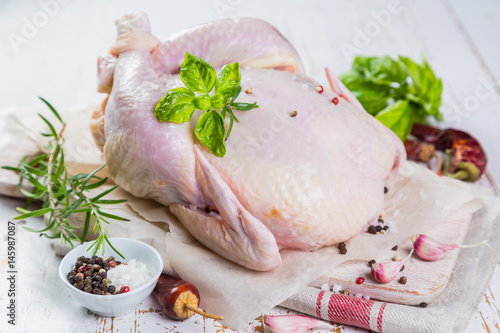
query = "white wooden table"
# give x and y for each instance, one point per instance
(48, 48)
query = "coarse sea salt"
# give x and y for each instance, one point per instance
(133, 274)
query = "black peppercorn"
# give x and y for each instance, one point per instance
(106, 266)
(72, 279)
(395, 248)
(97, 278)
(80, 285)
(97, 267)
(96, 291)
(103, 287)
(88, 274)
(378, 228)
(103, 273)
(87, 281)
(402, 268)
(99, 261)
(386, 189)
(83, 259)
(92, 261)
(423, 305)
(403, 280)
(342, 248)
(111, 289)
(386, 227)
(371, 262)
(87, 289)
(78, 264)
(95, 284)
(372, 229)
(71, 273)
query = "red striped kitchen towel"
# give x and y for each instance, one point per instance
(368, 314)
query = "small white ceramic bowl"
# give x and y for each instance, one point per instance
(121, 304)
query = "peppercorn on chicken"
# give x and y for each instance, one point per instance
(304, 170)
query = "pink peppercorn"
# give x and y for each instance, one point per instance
(360, 280)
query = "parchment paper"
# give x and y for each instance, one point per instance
(417, 200)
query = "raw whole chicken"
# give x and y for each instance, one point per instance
(304, 170)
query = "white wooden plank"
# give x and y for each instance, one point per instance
(481, 26)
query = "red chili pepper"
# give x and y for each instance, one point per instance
(469, 159)
(179, 299)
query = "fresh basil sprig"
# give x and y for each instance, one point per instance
(200, 78)
(398, 92)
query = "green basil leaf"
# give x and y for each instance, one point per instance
(236, 93)
(380, 70)
(424, 86)
(397, 117)
(210, 131)
(223, 112)
(218, 101)
(228, 80)
(202, 102)
(372, 96)
(230, 128)
(197, 74)
(244, 106)
(230, 111)
(176, 106)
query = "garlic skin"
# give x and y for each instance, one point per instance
(430, 249)
(386, 272)
(292, 323)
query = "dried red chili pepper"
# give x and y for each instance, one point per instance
(179, 299)
(466, 158)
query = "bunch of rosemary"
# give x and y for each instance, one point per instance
(48, 174)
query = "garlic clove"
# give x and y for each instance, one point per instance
(292, 323)
(430, 249)
(386, 272)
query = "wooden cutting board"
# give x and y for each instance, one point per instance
(425, 280)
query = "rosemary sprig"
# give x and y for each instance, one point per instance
(62, 196)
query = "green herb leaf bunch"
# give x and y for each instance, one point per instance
(398, 92)
(62, 196)
(200, 78)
